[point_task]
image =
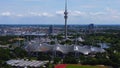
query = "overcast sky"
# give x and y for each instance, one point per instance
(51, 11)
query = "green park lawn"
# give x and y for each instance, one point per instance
(77, 66)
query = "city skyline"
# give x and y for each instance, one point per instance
(52, 11)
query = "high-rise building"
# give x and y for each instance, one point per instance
(91, 28)
(51, 29)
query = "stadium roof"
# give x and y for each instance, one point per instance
(35, 47)
(23, 63)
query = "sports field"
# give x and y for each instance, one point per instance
(77, 66)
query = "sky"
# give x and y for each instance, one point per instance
(51, 11)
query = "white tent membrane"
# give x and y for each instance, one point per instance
(23, 63)
(36, 47)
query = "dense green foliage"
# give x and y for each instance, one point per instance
(111, 57)
(4, 56)
(6, 40)
(7, 54)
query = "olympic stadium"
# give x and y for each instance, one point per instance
(36, 46)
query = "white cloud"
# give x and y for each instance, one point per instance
(19, 15)
(72, 13)
(116, 17)
(61, 12)
(78, 13)
(35, 14)
(97, 13)
(112, 11)
(45, 14)
(87, 6)
(6, 14)
(108, 14)
(31, 0)
(27, 14)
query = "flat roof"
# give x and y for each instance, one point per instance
(25, 63)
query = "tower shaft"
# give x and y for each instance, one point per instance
(65, 17)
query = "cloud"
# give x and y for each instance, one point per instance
(88, 6)
(31, 0)
(97, 13)
(78, 13)
(74, 16)
(61, 12)
(35, 14)
(19, 15)
(71, 13)
(45, 14)
(27, 14)
(6, 13)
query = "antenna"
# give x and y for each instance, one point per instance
(66, 5)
